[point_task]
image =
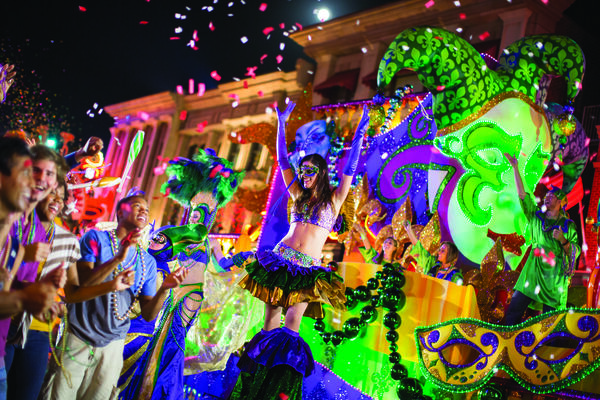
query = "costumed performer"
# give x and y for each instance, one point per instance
(204, 184)
(389, 248)
(291, 275)
(544, 278)
(441, 266)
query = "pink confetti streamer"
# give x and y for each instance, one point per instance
(144, 116)
(279, 58)
(484, 36)
(298, 25)
(82, 9)
(159, 170)
(143, 22)
(429, 4)
(200, 127)
(179, 89)
(462, 16)
(183, 115)
(268, 30)
(282, 25)
(260, 93)
(195, 35)
(440, 88)
(215, 76)
(211, 26)
(174, 38)
(262, 58)
(250, 71)
(263, 7)
(191, 86)
(245, 84)
(234, 96)
(201, 89)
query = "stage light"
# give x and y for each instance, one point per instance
(322, 14)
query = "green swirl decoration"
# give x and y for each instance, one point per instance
(483, 161)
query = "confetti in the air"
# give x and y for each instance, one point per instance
(179, 89)
(201, 89)
(215, 76)
(263, 7)
(82, 9)
(244, 39)
(262, 58)
(484, 36)
(429, 4)
(211, 26)
(268, 30)
(183, 115)
(279, 58)
(200, 127)
(251, 71)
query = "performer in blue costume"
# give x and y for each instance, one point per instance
(291, 276)
(203, 184)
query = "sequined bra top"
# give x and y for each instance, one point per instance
(324, 218)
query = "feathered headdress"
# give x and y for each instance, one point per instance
(206, 173)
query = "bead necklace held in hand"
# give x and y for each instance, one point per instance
(139, 257)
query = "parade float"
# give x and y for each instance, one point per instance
(437, 161)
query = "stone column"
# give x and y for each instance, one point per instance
(369, 63)
(515, 26)
(325, 68)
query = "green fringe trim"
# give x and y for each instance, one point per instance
(287, 282)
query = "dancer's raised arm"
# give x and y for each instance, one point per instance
(352, 163)
(282, 153)
(518, 180)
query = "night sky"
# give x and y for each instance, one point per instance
(72, 55)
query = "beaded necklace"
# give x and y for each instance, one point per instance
(31, 218)
(542, 217)
(114, 245)
(50, 233)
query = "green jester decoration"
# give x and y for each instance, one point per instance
(480, 115)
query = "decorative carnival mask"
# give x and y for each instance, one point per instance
(480, 115)
(463, 354)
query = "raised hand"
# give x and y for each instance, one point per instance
(131, 239)
(36, 252)
(175, 278)
(91, 148)
(363, 124)
(559, 235)
(57, 277)
(7, 75)
(513, 161)
(38, 297)
(283, 116)
(124, 280)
